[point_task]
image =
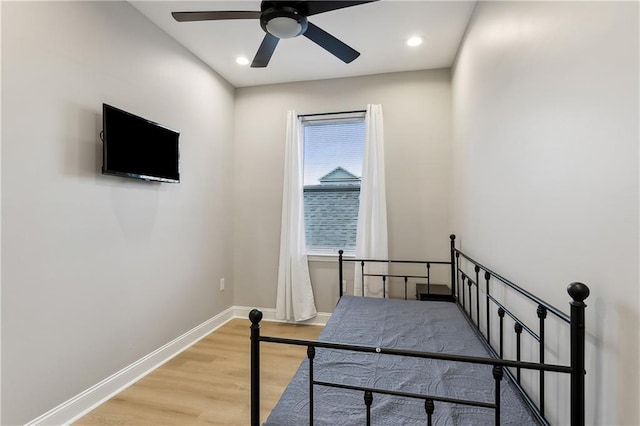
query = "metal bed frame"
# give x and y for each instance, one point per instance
(459, 279)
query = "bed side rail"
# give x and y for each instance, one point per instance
(463, 283)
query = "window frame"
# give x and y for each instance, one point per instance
(319, 254)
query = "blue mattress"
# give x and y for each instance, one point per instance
(412, 325)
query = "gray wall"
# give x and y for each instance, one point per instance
(98, 271)
(417, 114)
(545, 105)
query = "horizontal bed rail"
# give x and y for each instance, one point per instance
(418, 354)
(419, 262)
(395, 276)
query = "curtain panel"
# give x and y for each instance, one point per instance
(294, 298)
(371, 237)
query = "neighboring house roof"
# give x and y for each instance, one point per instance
(331, 210)
(339, 176)
(331, 217)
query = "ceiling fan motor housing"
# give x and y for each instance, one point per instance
(282, 21)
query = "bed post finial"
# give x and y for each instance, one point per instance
(255, 316)
(578, 292)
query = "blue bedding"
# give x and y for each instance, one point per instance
(399, 324)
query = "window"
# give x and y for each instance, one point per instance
(333, 152)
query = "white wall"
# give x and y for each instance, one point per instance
(417, 114)
(98, 271)
(545, 106)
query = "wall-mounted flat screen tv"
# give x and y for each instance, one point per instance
(138, 148)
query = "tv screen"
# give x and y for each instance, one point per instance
(138, 148)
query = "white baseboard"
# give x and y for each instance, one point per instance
(269, 314)
(76, 407)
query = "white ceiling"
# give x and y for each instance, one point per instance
(377, 30)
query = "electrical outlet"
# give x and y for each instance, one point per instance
(221, 284)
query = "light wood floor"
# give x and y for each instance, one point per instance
(209, 383)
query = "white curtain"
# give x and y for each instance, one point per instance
(295, 300)
(371, 237)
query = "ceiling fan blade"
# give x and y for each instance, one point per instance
(315, 7)
(330, 43)
(215, 16)
(263, 55)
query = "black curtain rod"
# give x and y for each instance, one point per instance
(360, 111)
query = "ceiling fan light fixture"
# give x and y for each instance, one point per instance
(284, 22)
(284, 27)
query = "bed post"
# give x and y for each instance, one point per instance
(578, 292)
(452, 237)
(340, 272)
(255, 316)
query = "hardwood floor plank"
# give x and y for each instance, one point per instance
(209, 383)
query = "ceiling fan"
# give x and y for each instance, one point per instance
(284, 19)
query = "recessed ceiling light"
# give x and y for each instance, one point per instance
(241, 60)
(414, 41)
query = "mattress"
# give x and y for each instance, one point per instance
(412, 325)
